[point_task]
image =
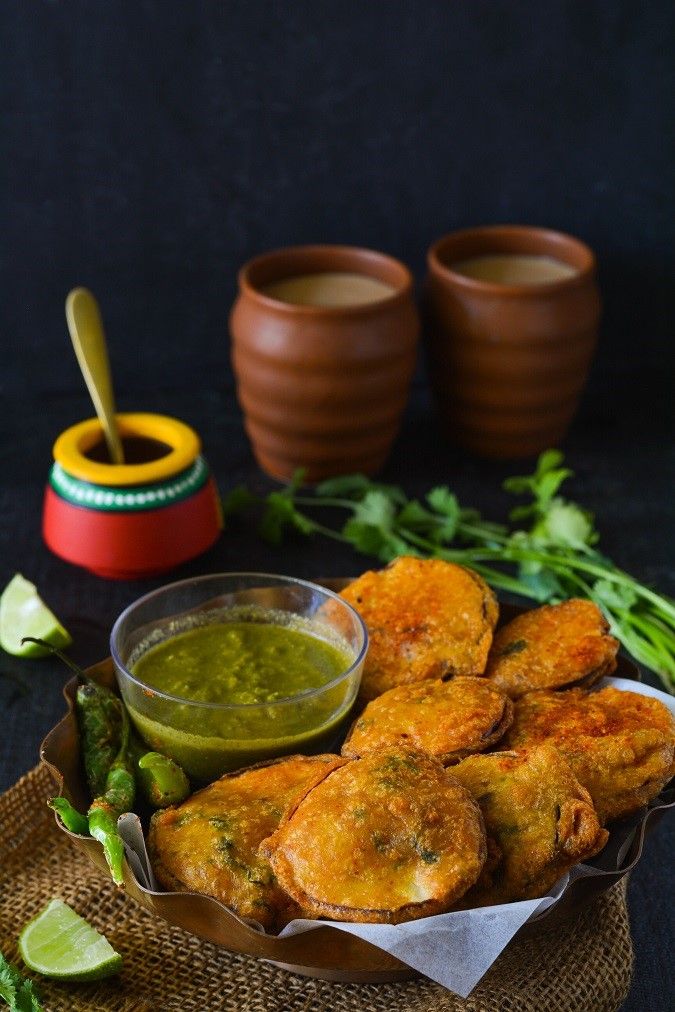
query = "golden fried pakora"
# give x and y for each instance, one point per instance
(620, 745)
(556, 646)
(539, 822)
(447, 719)
(405, 840)
(425, 618)
(209, 844)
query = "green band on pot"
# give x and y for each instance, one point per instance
(129, 499)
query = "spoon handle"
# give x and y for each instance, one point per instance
(86, 332)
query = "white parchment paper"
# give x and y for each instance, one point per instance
(454, 949)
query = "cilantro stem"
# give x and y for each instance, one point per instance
(493, 576)
(469, 531)
(566, 562)
(328, 532)
(649, 630)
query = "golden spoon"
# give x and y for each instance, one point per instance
(86, 331)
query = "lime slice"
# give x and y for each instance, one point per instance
(59, 943)
(24, 613)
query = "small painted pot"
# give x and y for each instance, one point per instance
(131, 520)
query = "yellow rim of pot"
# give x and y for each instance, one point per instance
(72, 445)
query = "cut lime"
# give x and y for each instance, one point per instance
(59, 943)
(24, 613)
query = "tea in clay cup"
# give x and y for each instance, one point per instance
(324, 344)
(514, 314)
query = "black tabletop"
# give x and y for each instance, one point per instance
(623, 471)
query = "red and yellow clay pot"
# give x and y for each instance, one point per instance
(125, 521)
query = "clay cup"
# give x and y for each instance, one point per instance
(509, 361)
(323, 387)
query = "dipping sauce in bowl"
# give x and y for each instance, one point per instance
(222, 671)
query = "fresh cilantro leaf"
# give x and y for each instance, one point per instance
(372, 528)
(614, 595)
(28, 998)
(444, 501)
(20, 994)
(238, 500)
(344, 485)
(542, 585)
(8, 976)
(548, 460)
(375, 508)
(281, 513)
(297, 481)
(416, 518)
(377, 541)
(445, 504)
(542, 485)
(436, 528)
(518, 484)
(356, 486)
(522, 512)
(565, 523)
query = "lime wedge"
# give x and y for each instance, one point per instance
(59, 943)
(24, 613)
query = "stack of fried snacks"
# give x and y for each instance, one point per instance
(481, 769)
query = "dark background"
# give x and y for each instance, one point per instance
(151, 147)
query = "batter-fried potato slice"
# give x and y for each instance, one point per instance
(556, 646)
(387, 838)
(539, 822)
(621, 745)
(209, 844)
(426, 619)
(448, 719)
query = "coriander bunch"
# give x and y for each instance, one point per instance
(545, 553)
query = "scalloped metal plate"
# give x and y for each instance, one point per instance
(326, 952)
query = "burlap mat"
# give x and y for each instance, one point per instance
(585, 968)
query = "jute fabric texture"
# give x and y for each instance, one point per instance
(584, 968)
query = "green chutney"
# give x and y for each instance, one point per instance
(240, 663)
(262, 662)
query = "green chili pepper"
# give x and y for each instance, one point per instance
(69, 816)
(100, 717)
(119, 794)
(100, 721)
(162, 780)
(110, 758)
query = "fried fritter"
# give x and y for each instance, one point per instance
(539, 822)
(621, 745)
(448, 719)
(426, 619)
(209, 844)
(387, 838)
(556, 646)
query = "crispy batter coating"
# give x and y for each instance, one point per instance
(448, 719)
(556, 646)
(387, 838)
(426, 619)
(621, 745)
(209, 844)
(538, 818)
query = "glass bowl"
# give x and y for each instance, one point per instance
(207, 738)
